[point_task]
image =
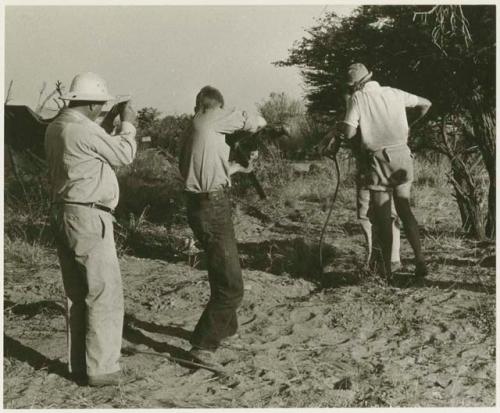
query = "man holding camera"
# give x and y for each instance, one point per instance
(81, 156)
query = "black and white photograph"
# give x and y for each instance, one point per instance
(235, 205)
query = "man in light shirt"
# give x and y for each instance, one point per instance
(81, 156)
(204, 164)
(380, 114)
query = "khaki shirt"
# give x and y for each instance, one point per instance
(81, 155)
(204, 158)
(380, 114)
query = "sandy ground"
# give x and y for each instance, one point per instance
(342, 339)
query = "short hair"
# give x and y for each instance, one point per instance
(207, 98)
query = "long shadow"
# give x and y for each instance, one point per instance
(137, 337)
(169, 330)
(15, 349)
(457, 262)
(402, 280)
(409, 281)
(30, 310)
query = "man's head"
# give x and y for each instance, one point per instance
(88, 93)
(357, 75)
(208, 98)
(91, 110)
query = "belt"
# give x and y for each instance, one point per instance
(207, 195)
(89, 205)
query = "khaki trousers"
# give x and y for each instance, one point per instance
(363, 212)
(93, 286)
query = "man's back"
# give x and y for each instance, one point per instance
(204, 158)
(380, 114)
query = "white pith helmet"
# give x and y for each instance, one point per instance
(88, 86)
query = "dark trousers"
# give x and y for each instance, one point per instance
(210, 218)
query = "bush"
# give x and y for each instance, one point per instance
(165, 133)
(305, 131)
(151, 185)
(27, 202)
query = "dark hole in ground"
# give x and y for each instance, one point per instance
(297, 257)
(157, 245)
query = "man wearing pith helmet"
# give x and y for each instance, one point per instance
(81, 156)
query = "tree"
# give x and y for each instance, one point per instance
(452, 26)
(304, 130)
(406, 51)
(165, 132)
(147, 119)
(171, 132)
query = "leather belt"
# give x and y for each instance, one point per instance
(207, 195)
(89, 205)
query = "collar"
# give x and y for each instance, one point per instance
(74, 113)
(371, 85)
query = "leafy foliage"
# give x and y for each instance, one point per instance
(166, 132)
(304, 130)
(445, 53)
(400, 49)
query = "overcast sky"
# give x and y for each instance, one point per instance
(162, 55)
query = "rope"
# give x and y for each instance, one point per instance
(334, 198)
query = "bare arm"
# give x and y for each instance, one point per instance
(350, 124)
(421, 108)
(235, 167)
(349, 131)
(346, 129)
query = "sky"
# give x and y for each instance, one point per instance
(161, 55)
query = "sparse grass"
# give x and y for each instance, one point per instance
(32, 255)
(27, 204)
(151, 184)
(368, 314)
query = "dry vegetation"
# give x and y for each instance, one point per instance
(307, 340)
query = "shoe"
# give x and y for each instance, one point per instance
(79, 378)
(421, 270)
(229, 341)
(111, 379)
(396, 266)
(206, 357)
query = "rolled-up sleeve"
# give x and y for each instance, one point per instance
(253, 122)
(230, 122)
(410, 101)
(117, 150)
(352, 113)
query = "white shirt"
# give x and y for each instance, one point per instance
(380, 114)
(81, 156)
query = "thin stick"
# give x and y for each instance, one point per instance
(7, 97)
(184, 361)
